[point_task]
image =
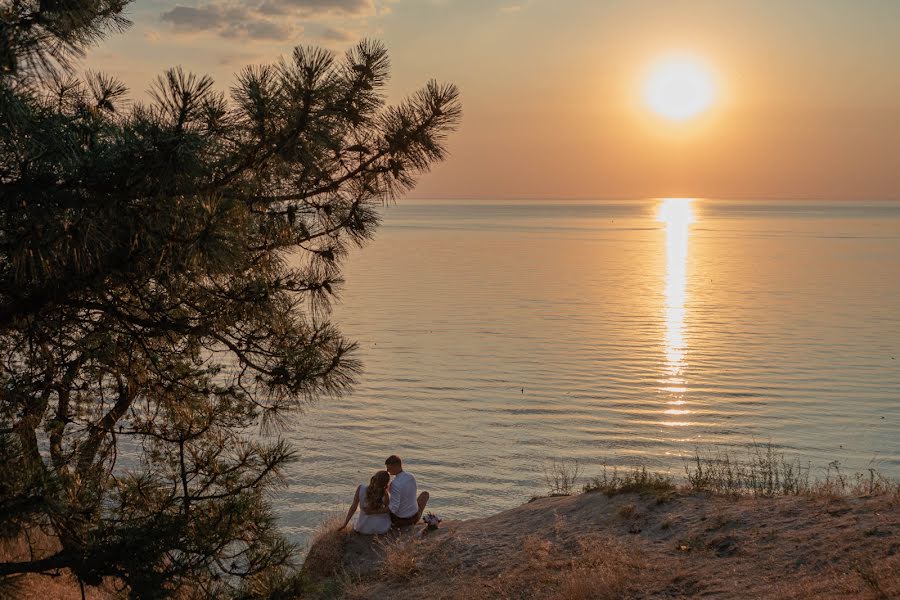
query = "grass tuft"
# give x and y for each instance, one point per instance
(400, 557)
(764, 472)
(638, 480)
(767, 472)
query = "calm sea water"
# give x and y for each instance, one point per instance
(498, 335)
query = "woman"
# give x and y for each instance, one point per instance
(372, 499)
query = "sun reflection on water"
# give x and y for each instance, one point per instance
(677, 214)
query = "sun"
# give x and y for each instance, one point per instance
(679, 88)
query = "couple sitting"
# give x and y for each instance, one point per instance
(384, 504)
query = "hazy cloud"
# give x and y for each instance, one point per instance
(188, 18)
(333, 34)
(268, 19)
(259, 29)
(152, 36)
(230, 21)
(512, 8)
(313, 8)
(241, 58)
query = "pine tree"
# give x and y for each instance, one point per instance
(166, 269)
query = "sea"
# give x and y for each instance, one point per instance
(500, 336)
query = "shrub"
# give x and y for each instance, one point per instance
(561, 475)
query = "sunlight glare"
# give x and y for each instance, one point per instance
(679, 88)
(677, 214)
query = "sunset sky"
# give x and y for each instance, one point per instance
(807, 101)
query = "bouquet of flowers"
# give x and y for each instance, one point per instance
(431, 520)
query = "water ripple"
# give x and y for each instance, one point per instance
(495, 336)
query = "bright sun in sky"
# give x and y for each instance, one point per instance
(679, 88)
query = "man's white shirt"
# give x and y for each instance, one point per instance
(403, 495)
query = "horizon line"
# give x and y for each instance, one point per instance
(632, 198)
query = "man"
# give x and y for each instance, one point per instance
(405, 508)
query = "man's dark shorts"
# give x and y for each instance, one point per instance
(403, 521)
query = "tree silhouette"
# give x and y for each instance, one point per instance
(165, 276)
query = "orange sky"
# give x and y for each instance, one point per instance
(808, 105)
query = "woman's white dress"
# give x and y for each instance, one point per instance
(370, 523)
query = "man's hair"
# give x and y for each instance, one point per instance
(393, 459)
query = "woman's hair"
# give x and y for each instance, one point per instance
(375, 491)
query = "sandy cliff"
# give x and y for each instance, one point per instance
(672, 545)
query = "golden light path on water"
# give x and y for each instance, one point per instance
(677, 214)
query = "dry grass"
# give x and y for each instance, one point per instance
(575, 548)
(536, 550)
(762, 471)
(400, 557)
(589, 567)
(596, 568)
(638, 480)
(627, 511)
(583, 585)
(762, 523)
(872, 579)
(870, 483)
(601, 570)
(343, 585)
(880, 577)
(326, 548)
(560, 525)
(60, 586)
(355, 590)
(765, 471)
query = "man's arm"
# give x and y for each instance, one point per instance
(396, 490)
